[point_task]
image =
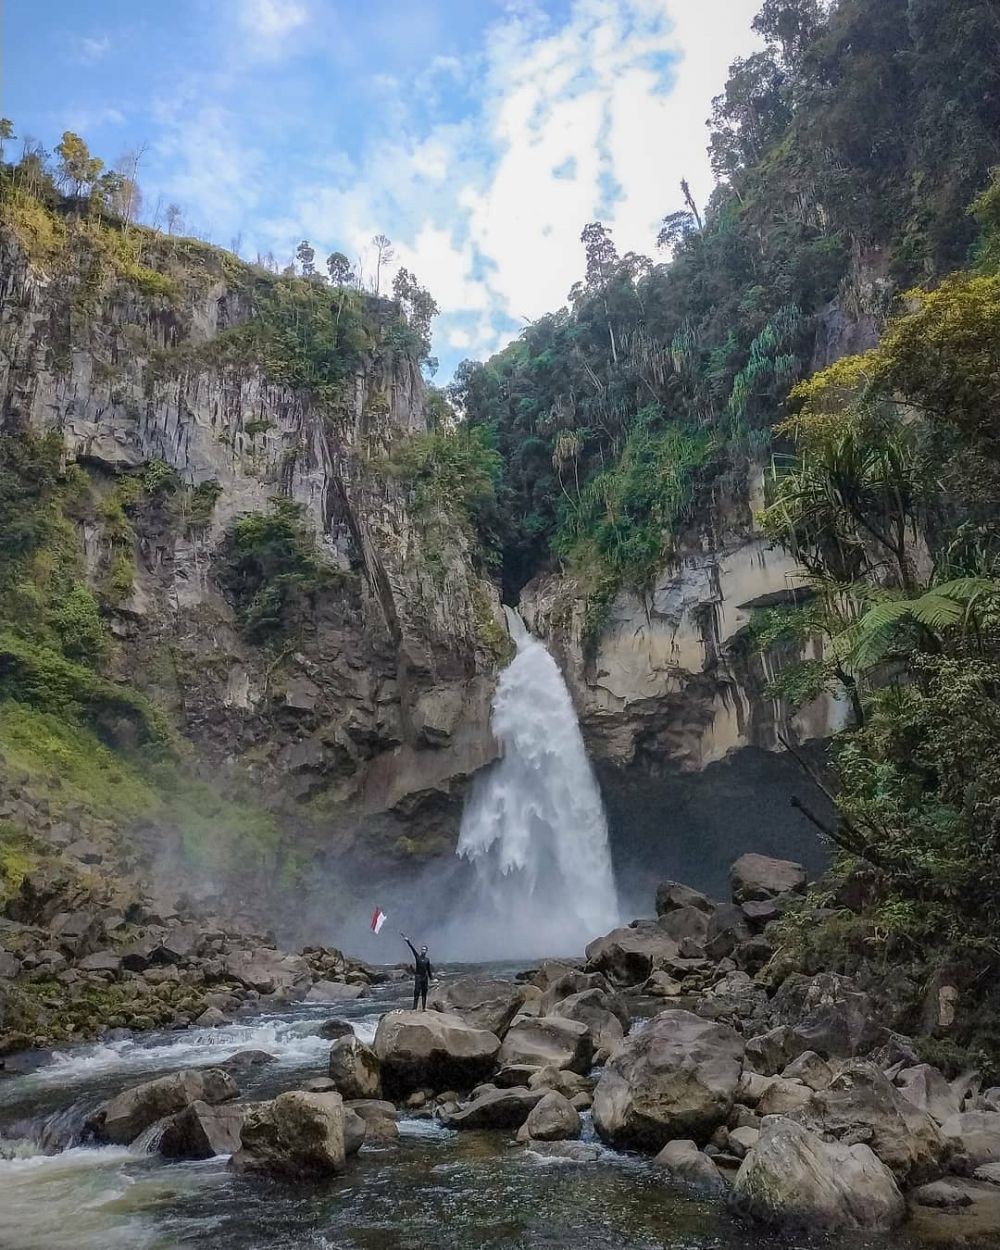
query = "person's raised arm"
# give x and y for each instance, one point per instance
(408, 943)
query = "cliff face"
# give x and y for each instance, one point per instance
(366, 721)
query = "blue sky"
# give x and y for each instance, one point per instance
(480, 135)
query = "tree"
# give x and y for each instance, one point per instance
(418, 304)
(384, 254)
(174, 218)
(339, 269)
(306, 257)
(6, 132)
(77, 168)
(791, 24)
(602, 260)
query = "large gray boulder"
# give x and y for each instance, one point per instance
(355, 1131)
(677, 1078)
(860, 1104)
(553, 1118)
(485, 1004)
(380, 1117)
(756, 877)
(686, 924)
(496, 1109)
(201, 1131)
(334, 992)
(628, 956)
(601, 1013)
(296, 1135)
(685, 1163)
(570, 983)
(794, 1179)
(548, 1041)
(432, 1050)
(828, 1014)
(125, 1116)
(355, 1069)
(269, 971)
(975, 1136)
(673, 896)
(927, 1089)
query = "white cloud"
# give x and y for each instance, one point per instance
(92, 50)
(268, 24)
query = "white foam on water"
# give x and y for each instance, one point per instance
(290, 1041)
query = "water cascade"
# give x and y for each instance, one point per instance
(533, 827)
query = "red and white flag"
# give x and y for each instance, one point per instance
(378, 919)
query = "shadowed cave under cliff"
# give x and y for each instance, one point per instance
(691, 826)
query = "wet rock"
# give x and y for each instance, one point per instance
(380, 1117)
(676, 1078)
(496, 1109)
(561, 1079)
(355, 1069)
(320, 1085)
(245, 1061)
(355, 1131)
(689, 1166)
(630, 955)
(599, 1012)
(297, 1135)
(125, 1116)
(794, 1179)
(941, 1194)
(333, 992)
(554, 1118)
(515, 1074)
(485, 1004)
(430, 1049)
(267, 971)
(672, 896)
(756, 877)
(549, 1041)
(211, 1018)
(571, 1151)
(201, 1131)
(988, 1172)
(332, 1029)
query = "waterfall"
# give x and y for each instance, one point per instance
(533, 828)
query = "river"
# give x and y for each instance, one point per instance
(435, 1189)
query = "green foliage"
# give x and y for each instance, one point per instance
(270, 567)
(77, 621)
(452, 470)
(626, 521)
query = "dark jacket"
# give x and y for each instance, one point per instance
(424, 971)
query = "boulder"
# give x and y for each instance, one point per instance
(784, 1097)
(760, 913)
(485, 1004)
(927, 1089)
(549, 1041)
(268, 971)
(827, 1013)
(672, 896)
(691, 1167)
(334, 992)
(245, 1060)
(566, 1082)
(201, 1131)
(125, 1116)
(661, 985)
(354, 1068)
(332, 1029)
(10, 965)
(742, 1140)
(687, 924)
(211, 1018)
(943, 1195)
(975, 1135)
(794, 1179)
(676, 1078)
(630, 955)
(862, 1105)
(515, 1074)
(572, 982)
(771, 1052)
(355, 1132)
(101, 961)
(553, 1118)
(432, 1050)
(297, 1135)
(727, 929)
(380, 1117)
(756, 877)
(810, 1069)
(496, 1109)
(601, 1013)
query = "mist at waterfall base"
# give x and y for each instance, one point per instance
(534, 874)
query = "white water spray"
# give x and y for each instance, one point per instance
(534, 826)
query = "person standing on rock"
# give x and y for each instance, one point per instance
(422, 973)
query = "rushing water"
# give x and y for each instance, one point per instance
(534, 827)
(435, 1190)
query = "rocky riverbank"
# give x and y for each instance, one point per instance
(793, 1100)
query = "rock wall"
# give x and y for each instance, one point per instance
(366, 722)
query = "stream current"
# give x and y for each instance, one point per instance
(435, 1189)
